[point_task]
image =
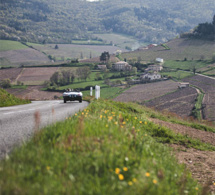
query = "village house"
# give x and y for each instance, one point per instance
(183, 85)
(160, 60)
(122, 66)
(102, 67)
(156, 68)
(150, 76)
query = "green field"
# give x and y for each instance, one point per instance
(177, 74)
(6, 45)
(108, 148)
(186, 65)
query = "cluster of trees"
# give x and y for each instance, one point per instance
(60, 21)
(205, 30)
(66, 77)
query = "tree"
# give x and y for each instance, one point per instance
(83, 73)
(105, 56)
(56, 78)
(56, 47)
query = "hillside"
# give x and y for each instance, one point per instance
(176, 49)
(112, 148)
(61, 21)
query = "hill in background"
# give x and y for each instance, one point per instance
(62, 21)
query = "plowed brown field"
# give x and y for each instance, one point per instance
(144, 92)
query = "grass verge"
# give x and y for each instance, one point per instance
(7, 99)
(109, 148)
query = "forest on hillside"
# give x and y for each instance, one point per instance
(61, 21)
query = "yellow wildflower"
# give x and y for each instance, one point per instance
(121, 177)
(48, 168)
(117, 170)
(106, 125)
(130, 183)
(145, 123)
(110, 118)
(125, 169)
(135, 118)
(154, 181)
(141, 122)
(75, 114)
(112, 112)
(116, 123)
(124, 123)
(147, 174)
(134, 180)
(197, 188)
(82, 113)
(100, 116)
(145, 134)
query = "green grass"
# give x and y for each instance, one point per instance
(186, 65)
(109, 148)
(106, 92)
(177, 74)
(6, 45)
(19, 86)
(7, 99)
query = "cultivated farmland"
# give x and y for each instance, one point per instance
(11, 73)
(70, 51)
(144, 92)
(36, 76)
(180, 102)
(179, 49)
(207, 85)
(22, 57)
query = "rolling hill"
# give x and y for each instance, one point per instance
(61, 21)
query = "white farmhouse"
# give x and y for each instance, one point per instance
(150, 76)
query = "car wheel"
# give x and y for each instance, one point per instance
(64, 101)
(80, 101)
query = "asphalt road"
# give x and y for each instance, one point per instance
(18, 123)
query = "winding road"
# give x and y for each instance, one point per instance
(18, 123)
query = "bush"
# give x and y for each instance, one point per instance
(6, 83)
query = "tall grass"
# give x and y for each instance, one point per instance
(109, 148)
(7, 99)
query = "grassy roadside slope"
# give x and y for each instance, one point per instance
(109, 148)
(7, 99)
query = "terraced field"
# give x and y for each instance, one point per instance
(180, 102)
(207, 85)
